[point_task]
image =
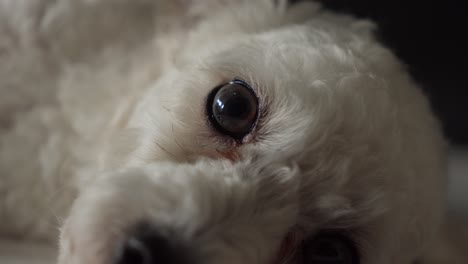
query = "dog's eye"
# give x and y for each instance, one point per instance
(330, 248)
(233, 108)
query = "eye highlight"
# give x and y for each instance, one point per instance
(329, 248)
(233, 109)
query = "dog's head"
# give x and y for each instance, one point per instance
(300, 144)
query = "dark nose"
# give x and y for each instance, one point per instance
(146, 246)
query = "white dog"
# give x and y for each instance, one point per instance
(213, 132)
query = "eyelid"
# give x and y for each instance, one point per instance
(242, 82)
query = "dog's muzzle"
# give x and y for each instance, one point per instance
(208, 212)
(147, 246)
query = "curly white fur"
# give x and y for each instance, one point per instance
(105, 101)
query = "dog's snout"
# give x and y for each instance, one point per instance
(147, 246)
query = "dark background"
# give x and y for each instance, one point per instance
(431, 38)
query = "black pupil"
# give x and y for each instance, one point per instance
(329, 249)
(234, 109)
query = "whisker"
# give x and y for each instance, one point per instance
(165, 150)
(176, 142)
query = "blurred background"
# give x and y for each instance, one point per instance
(430, 36)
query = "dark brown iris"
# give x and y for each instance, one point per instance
(233, 109)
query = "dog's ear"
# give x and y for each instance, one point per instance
(296, 12)
(299, 11)
(365, 28)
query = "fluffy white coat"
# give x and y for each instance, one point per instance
(102, 105)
